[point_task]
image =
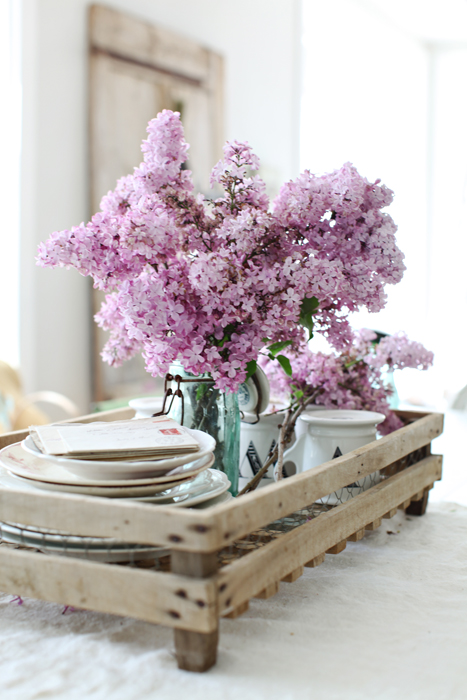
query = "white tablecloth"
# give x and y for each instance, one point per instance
(385, 619)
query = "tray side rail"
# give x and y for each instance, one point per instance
(168, 599)
(210, 530)
(262, 568)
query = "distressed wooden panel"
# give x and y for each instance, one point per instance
(245, 577)
(210, 530)
(137, 69)
(167, 599)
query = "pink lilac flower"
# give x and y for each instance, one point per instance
(207, 281)
(354, 379)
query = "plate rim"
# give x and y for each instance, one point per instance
(173, 462)
(187, 503)
(111, 483)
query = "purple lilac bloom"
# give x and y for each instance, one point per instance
(354, 379)
(207, 281)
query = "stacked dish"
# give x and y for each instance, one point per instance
(180, 481)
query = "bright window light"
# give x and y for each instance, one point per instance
(396, 107)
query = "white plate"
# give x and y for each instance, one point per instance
(122, 470)
(248, 396)
(223, 498)
(9, 480)
(206, 486)
(24, 464)
(93, 548)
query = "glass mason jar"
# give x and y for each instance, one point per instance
(216, 413)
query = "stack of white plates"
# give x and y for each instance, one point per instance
(177, 482)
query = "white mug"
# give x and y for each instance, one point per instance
(326, 434)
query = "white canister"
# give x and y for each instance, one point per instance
(257, 440)
(147, 406)
(325, 435)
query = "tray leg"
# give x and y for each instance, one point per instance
(418, 507)
(195, 651)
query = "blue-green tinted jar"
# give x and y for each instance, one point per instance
(216, 413)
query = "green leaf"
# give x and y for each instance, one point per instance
(277, 347)
(307, 309)
(298, 394)
(285, 364)
(309, 305)
(201, 390)
(250, 368)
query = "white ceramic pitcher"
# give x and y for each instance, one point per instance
(257, 439)
(327, 434)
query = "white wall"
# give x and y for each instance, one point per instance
(380, 94)
(260, 40)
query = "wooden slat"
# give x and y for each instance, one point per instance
(390, 514)
(240, 580)
(356, 536)
(167, 599)
(254, 510)
(293, 575)
(269, 591)
(239, 610)
(373, 525)
(317, 561)
(108, 517)
(337, 548)
(139, 41)
(210, 530)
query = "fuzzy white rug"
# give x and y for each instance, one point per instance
(384, 619)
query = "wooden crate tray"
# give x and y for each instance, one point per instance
(222, 556)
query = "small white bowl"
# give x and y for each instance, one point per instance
(147, 406)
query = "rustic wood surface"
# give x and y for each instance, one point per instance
(136, 70)
(168, 599)
(245, 577)
(196, 650)
(210, 530)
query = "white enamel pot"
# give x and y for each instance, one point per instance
(326, 434)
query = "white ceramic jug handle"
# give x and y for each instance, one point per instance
(294, 454)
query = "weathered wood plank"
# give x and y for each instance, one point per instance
(239, 610)
(256, 509)
(140, 41)
(195, 650)
(337, 548)
(356, 536)
(390, 514)
(163, 598)
(210, 530)
(293, 575)
(373, 525)
(241, 579)
(107, 517)
(316, 561)
(418, 505)
(268, 591)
